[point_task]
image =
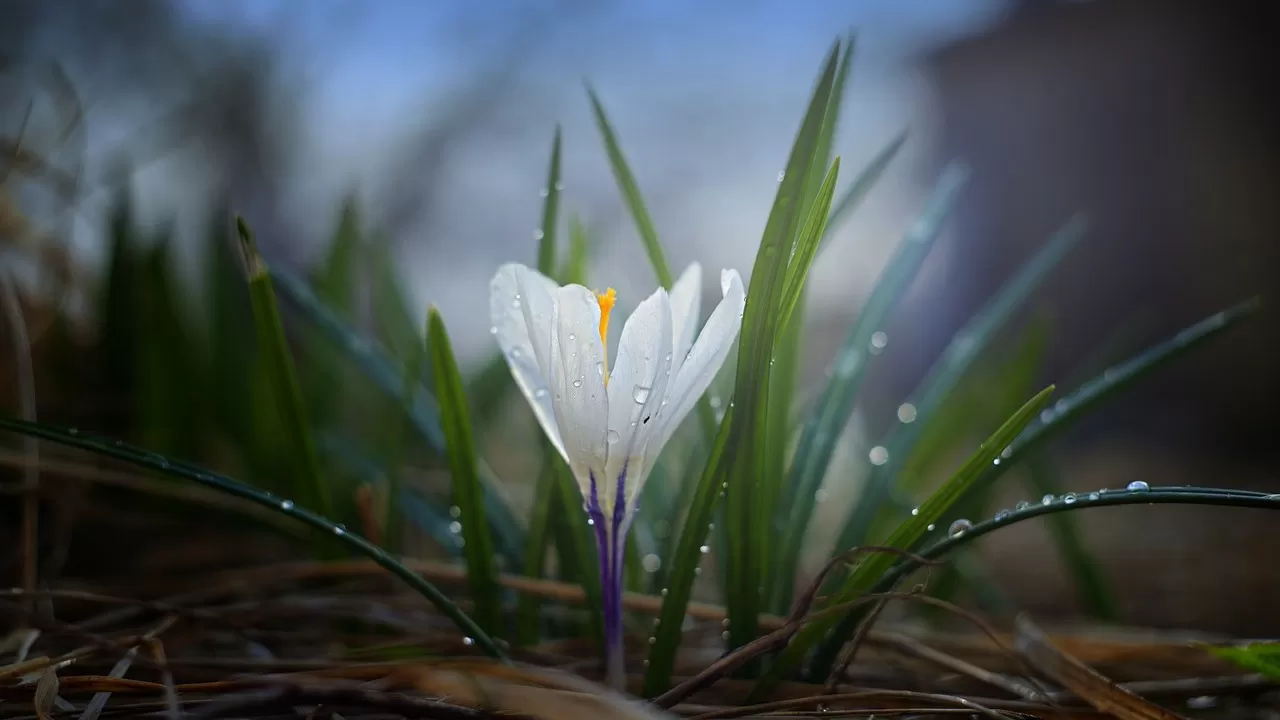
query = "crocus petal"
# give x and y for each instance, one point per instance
(637, 393)
(577, 385)
(686, 304)
(708, 354)
(520, 309)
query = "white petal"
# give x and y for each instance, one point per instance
(577, 386)
(520, 308)
(709, 352)
(637, 392)
(686, 304)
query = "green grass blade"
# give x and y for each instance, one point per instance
(386, 376)
(862, 185)
(183, 471)
(310, 485)
(683, 566)
(550, 213)
(631, 194)
(396, 325)
(835, 405)
(746, 513)
(529, 609)
(1095, 596)
(468, 494)
(906, 535)
(807, 244)
(1117, 378)
(1261, 657)
(574, 269)
(959, 355)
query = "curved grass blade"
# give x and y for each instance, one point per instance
(823, 429)
(746, 512)
(955, 361)
(468, 495)
(684, 566)
(311, 486)
(1117, 378)
(183, 471)
(906, 536)
(1260, 657)
(424, 414)
(1142, 495)
(631, 193)
(807, 244)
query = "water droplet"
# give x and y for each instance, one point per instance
(600, 368)
(668, 357)
(455, 527)
(879, 455)
(515, 301)
(724, 635)
(820, 495)
(572, 337)
(996, 461)
(878, 342)
(1001, 515)
(906, 413)
(455, 511)
(591, 521)
(931, 527)
(1095, 495)
(613, 436)
(697, 571)
(493, 329)
(1046, 416)
(915, 511)
(704, 549)
(959, 527)
(782, 175)
(714, 402)
(286, 504)
(1022, 505)
(663, 592)
(651, 563)
(577, 383)
(339, 530)
(544, 192)
(1047, 499)
(1137, 486)
(640, 393)
(559, 187)
(537, 233)
(1069, 498)
(652, 640)
(1060, 407)
(468, 640)
(1007, 452)
(540, 393)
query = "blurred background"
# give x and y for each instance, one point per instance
(425, 129)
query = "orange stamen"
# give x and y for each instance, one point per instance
(606, 300)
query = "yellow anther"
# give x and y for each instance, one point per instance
(606, 300)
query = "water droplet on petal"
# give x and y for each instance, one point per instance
(1137, 486)
(640, 394)
(959, 527)
(600, 368)
(572, 337)
(577, 383)
(613, 436)
(540, 393)
(515, 301)
(493, 329)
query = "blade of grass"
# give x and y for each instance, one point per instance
(815, 225)
(550, 212)
(683, 567)
(631, 193)
(955, 361)
(191, 473)
(380, 370)
(574, 269)
(745, 511)
(468, 493)
(905, 536)
(529, 609)
(309, 484)
(824, 427)
(862, 184)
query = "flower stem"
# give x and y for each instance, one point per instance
(611, 538)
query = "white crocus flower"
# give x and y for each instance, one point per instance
(610, 421)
